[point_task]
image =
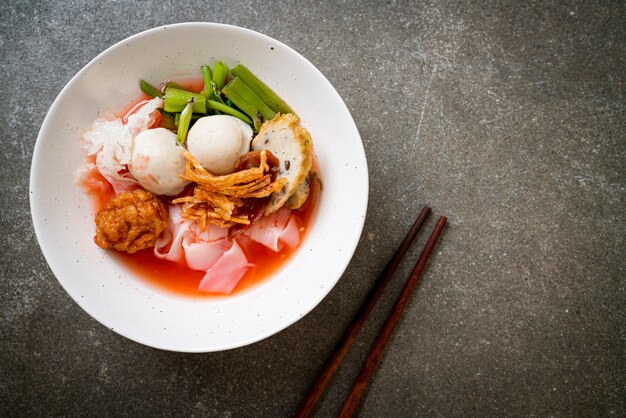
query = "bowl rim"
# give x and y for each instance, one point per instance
(54, 265)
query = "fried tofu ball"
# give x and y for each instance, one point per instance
(131, 221)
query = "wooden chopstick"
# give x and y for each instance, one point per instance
(361, 382)
(334, 360)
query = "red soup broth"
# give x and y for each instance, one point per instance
(176, 277)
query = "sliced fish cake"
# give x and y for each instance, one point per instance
(291, 143)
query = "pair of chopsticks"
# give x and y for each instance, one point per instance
(334, 360)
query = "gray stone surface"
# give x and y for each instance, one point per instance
(508, 117)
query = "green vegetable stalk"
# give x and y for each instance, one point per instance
(183, 123)
(221, 107)
(219, 74)
(245, 99)
(261, 89)
(176, 100)
(206, 74)
(149, 89)
(239, 101)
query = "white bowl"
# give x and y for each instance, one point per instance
(63, 216)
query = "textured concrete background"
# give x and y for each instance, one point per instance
(509, 118)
